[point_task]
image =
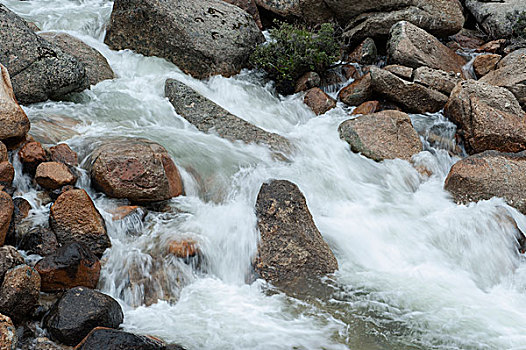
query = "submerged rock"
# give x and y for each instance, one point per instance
(203, 38)
(291, 251)
(19, 292)
(79, 311)
(113, 339)
(318, 101)
(382, 135)
(14, 123)
(489, 174)
(137, 169)
(208, 117)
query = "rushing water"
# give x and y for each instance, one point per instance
(416, 270)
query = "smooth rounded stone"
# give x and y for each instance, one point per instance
(203, 38)
(113, 339)
(62, 153)
(39, 240)
(6, 213)
(209, 117)
(80, 310)
(70, 266)
(7, 173)
(436, 79)
(375, 18)
(413, 97)
(368, 107)
(488, 117)
(494, 16)
(96, 66)
(309, 11)
(39, 70)
(357, 92)
(31, 155)
(53, 175)
(383, 135)
(74, 218)
(250, 7)
(413, 47)
(489, 174)
(4, 156)
(52, 128)
(483, 64)
(8, 338)
(9, 258)
(291, 251)
(14, 123)
(400, 71)
(308, 81)
(19, 292)
(365, 53)
(137, 169)
(318, 101)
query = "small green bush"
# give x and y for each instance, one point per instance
(518, 20)
(294, 51)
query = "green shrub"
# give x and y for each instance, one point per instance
(518, 20)
(294, 51)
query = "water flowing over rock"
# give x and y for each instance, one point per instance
(6, 213)
(9, 258)
(53, 175)
(413, 47)
(207, 116)
(493, 16)
(382, 135)
(8, 338)
(375, 18)
(137, 169)
(14, 123)
(202, 38)
(96, 66)
(107, 338)
(488, 117)
(79, 311)
(291, 250)
(19, 292)
(490, 174)
(74, 218)
(39, 70)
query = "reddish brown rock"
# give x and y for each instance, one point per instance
(368, 107)
(123, 211)
(383, 135)
(8, 338)
(74, 218)
(489, 174)
(53, 175)
(19, 292)
(250, 7)
(14, 123)
(357, 92)
(6, 213)
(7, 173)
(9, 258)
(493, 46)
(3, 152)
(31, 155)
(62, 153)
(308, 81)
(137, 169)
(319, 101)
(365, 53)
(70, 266)
(183, 249)
(484, 64)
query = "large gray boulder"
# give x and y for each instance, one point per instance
(39, 70)
(494, 16)
(208, 117)
(202, 38)
(309, 11)
(291, 251)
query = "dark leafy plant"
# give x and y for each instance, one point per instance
(294, 51)
(518, 20)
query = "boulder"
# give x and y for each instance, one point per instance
(318, 101)
(113, 339)
(413, 97)
(6, 214)
(137, 169)
(209, 117)
(250, 7)
(31, 155)
(483, 64)
(309, 11)
(19, 292)
(489, 174)
(74, 218)
(9, 258)
(7, 173)
(436, 79)
(79, 311)
(202, 38)
(291, 251)
(39, 240)
(14, 123)
(488, 117)
(53, 175)
(375, 18)
(70, 266)
(62, 153)
(365, 53)
(383, 135)
(357, 92)
(495, 17)
(413, 47)
(8, 338)
(39, 70)
(96, 66)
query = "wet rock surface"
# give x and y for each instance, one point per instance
(112, 339)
